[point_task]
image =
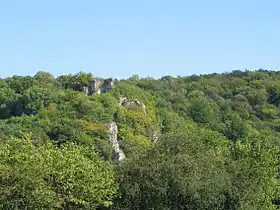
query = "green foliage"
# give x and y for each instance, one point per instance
(255, 171)
(133, 92)
(46, 177)
(184, 171)
(36, 97)
(203, 111)
(20, 84)
(76, 82)
(46, 79)
(199, 142)
(236, 127)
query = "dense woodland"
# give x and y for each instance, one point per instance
(217, 142)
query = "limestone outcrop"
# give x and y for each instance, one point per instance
(85, 90)
(118, 154)
(128, 101)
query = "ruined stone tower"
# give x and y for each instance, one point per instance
(94, 87)
(97, 87)
(107, 85)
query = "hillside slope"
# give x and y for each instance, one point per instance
(198, 142)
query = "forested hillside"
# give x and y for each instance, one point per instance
(196, 142)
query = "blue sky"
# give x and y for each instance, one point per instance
(146, 37)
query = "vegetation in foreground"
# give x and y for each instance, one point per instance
(216, 146)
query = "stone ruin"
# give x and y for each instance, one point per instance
(94, 87)
(107, 85)
(98, 86)
(102, 86)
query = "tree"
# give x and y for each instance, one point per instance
(235, 127)
(203, 111)
(254, 170)
(19, 83)
(46, 79)
(10, 103)
(185, 170)
(36, 97)
(46, 177)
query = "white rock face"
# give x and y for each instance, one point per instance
(155, 136)
(118, 154)
(128, 101)
(85, 90)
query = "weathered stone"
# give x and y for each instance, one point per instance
(121, 101)
(85, 90)
(94, 87)
(155, 136)
(128, 101)
(107, 85)
(97, 87)
(118, 154)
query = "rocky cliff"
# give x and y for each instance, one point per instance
(118, 154)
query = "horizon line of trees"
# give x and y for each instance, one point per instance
(217, 148)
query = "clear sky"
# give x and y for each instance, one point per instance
(146, 37)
